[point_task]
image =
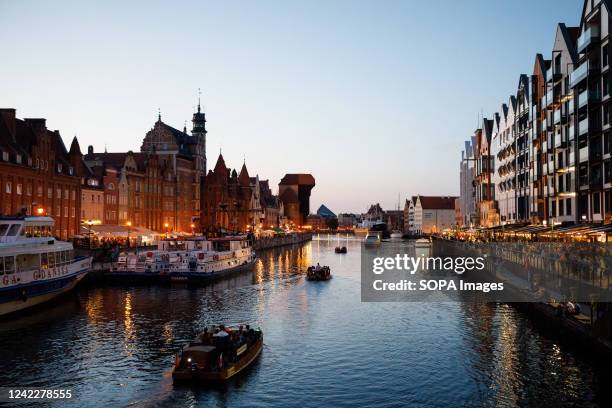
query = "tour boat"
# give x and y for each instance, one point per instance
(321, 274)
(422, 243)
(34, 266)
(212, 358)
(340, 250)
(372, 239)
(190, 259)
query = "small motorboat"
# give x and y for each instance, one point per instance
(322, 273)
(396, 235)
(372, 239)
(340, 250)
(212, 358)
(422, 243)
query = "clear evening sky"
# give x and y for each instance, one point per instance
(372, 98)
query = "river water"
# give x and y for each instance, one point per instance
(115, 346)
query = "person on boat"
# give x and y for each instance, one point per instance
(220, 332)
(318, 267)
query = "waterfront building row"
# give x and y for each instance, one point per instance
(165, 187)
(546, 155)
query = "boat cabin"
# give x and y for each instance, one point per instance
(16, 228)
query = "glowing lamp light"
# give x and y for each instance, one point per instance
(129, 223)
(40, 211)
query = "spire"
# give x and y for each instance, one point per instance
(158, 114)
(244, 176)
(185, 127)
(199, 119)
(74, 146)
(199, 94)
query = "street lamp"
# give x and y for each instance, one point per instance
(192, 229)
(129, 226)
(166, 226)
(40, 211)
(89, 224)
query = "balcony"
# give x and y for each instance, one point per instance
(583, 154)
(550, 97)
(587, 38)
(588, 96)
(583, 126)
(558, 116)
(579, 74)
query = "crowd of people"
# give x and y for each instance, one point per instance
(229, 343)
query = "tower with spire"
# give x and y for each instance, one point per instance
(199, 132)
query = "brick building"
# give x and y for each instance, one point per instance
(38, 173)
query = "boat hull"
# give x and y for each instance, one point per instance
(187, 375)
(22, 297)
(203, 277)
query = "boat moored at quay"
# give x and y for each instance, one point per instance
(186, 259)
(34, 266)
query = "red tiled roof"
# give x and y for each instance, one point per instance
(303, 179)
(437, 203)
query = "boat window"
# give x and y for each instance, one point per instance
(51, 260)
(64, 256)
(14, 228)
(58, 258)
(43, 260)
(1, 265)
(3, 229)
(9, 264)
(70, 255)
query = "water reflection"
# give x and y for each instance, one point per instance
(115, 345)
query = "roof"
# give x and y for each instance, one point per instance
(437, 202)
(298, 178)
(325, 212)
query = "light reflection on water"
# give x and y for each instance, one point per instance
(115, 345)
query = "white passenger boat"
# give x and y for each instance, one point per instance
(34, 266)
(192, 259)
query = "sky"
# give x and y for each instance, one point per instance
(373, 98)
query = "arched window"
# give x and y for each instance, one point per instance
(111, 186)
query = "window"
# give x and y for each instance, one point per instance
(18, 189)
(5, 156)
(66, 194)
(568, 206)
(561, 207)
(39, 190)
(111, 186)
(596, 204)
(73, 212)
(29, 189)
(58, 193)
(604, 56)
(58, 211)
(49, 192)
(73, 195)
(59, 167)
(18, 159)
(9, 187)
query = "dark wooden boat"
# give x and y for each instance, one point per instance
(323, 274)
(340, 250)
(208, 362)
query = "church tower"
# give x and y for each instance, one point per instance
(199, 132)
